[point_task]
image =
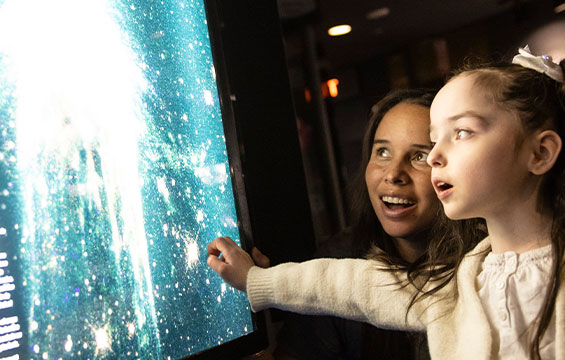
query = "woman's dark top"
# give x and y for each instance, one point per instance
(331, 338)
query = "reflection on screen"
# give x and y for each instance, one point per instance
(113, 179)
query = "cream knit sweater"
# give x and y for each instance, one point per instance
(356, 289)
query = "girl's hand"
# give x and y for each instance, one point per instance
(233, 264)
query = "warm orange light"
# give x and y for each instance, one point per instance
(339, 30)
(325, 90)
(559, 8)
(307, 95)
(332, 87)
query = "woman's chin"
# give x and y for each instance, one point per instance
(396, 231)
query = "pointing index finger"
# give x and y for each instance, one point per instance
(219, 245)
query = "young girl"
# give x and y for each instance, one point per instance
(498, 134)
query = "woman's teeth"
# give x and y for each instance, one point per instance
(396, 200)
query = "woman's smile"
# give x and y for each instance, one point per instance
(397, 207)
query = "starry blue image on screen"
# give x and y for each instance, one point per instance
(114, 176)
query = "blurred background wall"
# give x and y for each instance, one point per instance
(392, 44)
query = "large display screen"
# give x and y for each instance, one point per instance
(114, 177)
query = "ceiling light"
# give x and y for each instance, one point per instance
(332, 87)
(339, 30)
(378, 13)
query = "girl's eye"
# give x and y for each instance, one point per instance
(383, 152)
(462, 134)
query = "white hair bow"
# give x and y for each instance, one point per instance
(543, 64)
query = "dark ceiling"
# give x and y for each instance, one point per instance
(407, 20)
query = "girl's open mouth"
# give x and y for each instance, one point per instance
(442, 188)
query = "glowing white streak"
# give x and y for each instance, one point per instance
(162, 188)
(68, 61)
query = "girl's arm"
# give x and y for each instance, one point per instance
(355, 289)
(352, 288)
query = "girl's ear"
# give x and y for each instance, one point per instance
(547, 146)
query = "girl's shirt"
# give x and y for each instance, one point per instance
(512, 288)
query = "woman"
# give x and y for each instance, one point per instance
(394, 208)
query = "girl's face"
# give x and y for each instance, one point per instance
(397, 175)
(479, 163)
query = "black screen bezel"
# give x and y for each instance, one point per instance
(255, 341)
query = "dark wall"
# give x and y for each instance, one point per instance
(260, 101)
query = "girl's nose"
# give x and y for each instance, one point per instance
(435, 157)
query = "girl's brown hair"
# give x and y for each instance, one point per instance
(539, 102)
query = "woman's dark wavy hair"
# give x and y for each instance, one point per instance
(539, 102)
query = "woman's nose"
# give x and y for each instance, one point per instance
(396, 174)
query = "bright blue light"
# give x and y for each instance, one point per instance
(114, 176)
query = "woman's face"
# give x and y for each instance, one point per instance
(397, 175)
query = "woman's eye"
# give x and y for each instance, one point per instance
(382, 152)
(421, 156)
(462, 134)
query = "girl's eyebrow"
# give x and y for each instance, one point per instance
(469, 113)
(464, 114)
